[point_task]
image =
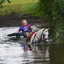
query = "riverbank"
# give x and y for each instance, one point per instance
(14, 19)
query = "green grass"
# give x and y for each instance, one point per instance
(19, 6)
(33, 9)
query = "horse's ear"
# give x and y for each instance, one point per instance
(47, 30)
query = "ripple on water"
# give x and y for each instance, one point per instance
(12, 52)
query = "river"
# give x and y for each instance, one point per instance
(12, 51)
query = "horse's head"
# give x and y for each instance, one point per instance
(45, 34)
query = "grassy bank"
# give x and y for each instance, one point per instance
(20, 6)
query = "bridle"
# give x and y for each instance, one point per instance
(40, 37)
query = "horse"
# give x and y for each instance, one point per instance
(39, 36)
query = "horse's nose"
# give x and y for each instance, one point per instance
(45, 41)
(45, 38)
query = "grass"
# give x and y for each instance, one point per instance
(20, 6)
(33, 9)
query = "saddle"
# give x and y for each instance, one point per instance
(30, 36)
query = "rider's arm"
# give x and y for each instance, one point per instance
(31, 27)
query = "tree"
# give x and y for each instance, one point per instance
(54, 12)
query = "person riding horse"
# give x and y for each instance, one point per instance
(25, 28)
(33, 37)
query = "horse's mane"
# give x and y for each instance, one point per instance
(41, 30)
(39, 33)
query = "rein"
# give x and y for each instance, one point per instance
(37, 37)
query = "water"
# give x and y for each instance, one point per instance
(57, 53)
(12, 51)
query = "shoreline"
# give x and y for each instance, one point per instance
(14, 20)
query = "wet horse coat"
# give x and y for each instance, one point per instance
(39, 35)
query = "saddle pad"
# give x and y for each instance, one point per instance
(32, 35)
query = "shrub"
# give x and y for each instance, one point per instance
(1, 1)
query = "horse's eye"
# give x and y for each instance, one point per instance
(43, 36)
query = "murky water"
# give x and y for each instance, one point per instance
(12, 51)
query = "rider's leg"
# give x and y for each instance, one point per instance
(26, 34)
(28, 39)
(18, 35)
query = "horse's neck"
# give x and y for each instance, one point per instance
(39, 33)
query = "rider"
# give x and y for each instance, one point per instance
(25, 28)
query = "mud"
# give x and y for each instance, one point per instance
(14, 19)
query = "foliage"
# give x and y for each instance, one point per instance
(54, 12)
(45, 6)
(32, 8)
(1, 1)
(58, 16)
